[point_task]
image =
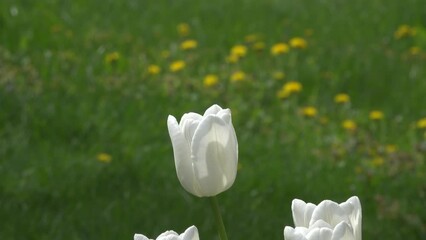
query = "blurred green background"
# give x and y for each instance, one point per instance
(86, 88)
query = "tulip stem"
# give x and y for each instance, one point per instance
(218, 217)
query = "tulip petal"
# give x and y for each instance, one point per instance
(190, 234)
(295, 233)
(168, 235)
(302, 212)
(188, 124)
(182, 155)
(329, 220)
(139, 237)
(352, 207)
(298, 209)
(343, 231)
(213, 110)
(191, 115)
(320, 224)
(309, 209)
(319, 234)
(225, 115)
(329, 212)
(214, 154)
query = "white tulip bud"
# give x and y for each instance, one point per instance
(205, 150)
(327, 221)
(190, 234)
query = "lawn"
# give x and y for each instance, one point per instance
(327, 99)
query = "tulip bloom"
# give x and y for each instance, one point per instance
(327, 221)
(205, 150)
(190, 234)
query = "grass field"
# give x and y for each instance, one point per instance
(86, 88)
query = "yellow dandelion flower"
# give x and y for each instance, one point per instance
(298, 42)
(376, 115)
(238, 76)
(154, 69)
(189, 44)
(421, 124)
(289, 88)
(377, 161)
(349, 125)
(404, 31)
(391, 148)
(112, 57)
(183, 29)
(239, 50)
(104, 157)
(259, 46)
(278, 75)
(177, 66)
(279, 48)
(414, 50)
(210, 80)
(341, 98)
(309, 111)
(292, 87)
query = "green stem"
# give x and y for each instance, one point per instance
(218, 217)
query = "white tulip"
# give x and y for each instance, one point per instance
(205, 150)
(327, 221)
(190, 234)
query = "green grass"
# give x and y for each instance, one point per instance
(62, 104)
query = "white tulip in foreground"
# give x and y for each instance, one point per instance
(327, 221)
(205, 149)
(190, 234)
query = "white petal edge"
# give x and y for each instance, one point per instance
(302, 212)
(190, 234)
(189, 116)
(225, 115)
(168, 235)
(298, 210)
(329, 212)
(343, 231)
(320, 224)
(319, 234)
(188, 127)
(292, 234)
(213, 110)
(214, 151)
(140, 237)
(356, 216)
(309, 210)
(182, 156)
